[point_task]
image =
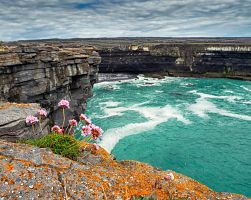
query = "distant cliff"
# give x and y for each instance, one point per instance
(195, 60)
(195, 57)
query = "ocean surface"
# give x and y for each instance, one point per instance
(198, 127)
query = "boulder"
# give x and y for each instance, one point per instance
(12, 121)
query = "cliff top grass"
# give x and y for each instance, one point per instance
(64, 145)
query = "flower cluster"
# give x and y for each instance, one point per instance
(57, 129)
(84, 127)
(85, 119)
(42, 113)
(64, 104)
(86, 130)
(73, 122)
(31, 120)
(93, 130)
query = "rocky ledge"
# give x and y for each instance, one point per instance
(28, 172)
(43, 73)
(12, 121)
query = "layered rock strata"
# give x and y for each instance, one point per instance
(44, 74)
(195, 57)
(195, 60)
(28, 172)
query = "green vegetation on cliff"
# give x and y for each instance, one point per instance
(64, 145)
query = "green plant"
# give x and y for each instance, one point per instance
(65, 145)
(64, 140)
(82, 130)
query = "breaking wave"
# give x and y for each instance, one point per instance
(204, 106)
(154, 115)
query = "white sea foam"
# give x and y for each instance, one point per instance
(203, 95)
(229, 91)
(203, 106)
(245, 88)
(246, 102)
(140, 81)
(112, 111)
(159, 91)
(144, 82)
(110, 103)
(154, 115)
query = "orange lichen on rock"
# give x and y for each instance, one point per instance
(95, 175)
(8, 166)
(6, 105)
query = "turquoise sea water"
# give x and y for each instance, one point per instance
(198, 127)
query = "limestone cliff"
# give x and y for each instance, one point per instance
(195, 57)
(28, 172)
(195, 60)
(44, 74)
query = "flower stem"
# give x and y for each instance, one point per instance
(63, 118)
(88, 138)
(40, 124)
(69, 132)
(33, 129)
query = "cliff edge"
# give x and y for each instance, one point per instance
(28, 172)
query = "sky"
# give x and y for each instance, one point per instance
(37, 19)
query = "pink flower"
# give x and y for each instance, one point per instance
(86, 130)
(42, 112)
(73, 122)
(169, 177)
(96, 131)
(31, 120)
(88, 121)
(64, 104)
(82, 117)
(85, 118)
(96, 146)
(57, 129)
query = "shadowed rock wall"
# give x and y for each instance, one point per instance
(199, 60)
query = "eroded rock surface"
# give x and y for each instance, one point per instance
(12, 121)
(44, 74)
(28, 172)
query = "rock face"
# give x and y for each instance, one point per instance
(195, 60)
(12, 121)
(193, 57)
(28, 172)
(44, 74)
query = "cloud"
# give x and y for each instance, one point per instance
(34, 19)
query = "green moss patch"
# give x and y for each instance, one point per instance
(64, 145)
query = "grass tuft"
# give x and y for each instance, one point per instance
(64, 145)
